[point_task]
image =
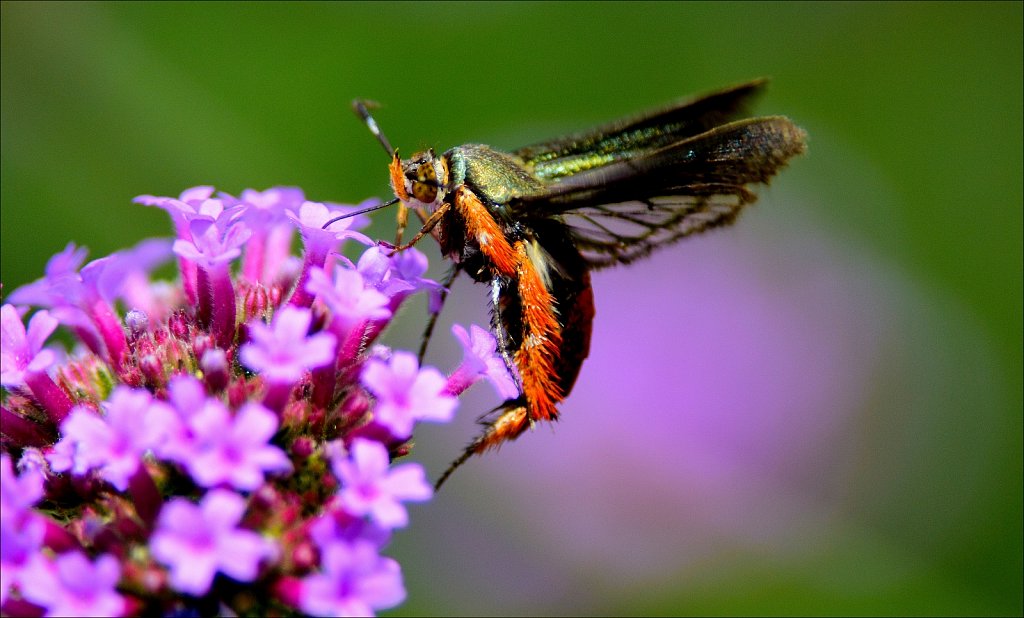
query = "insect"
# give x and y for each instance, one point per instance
(533, 223)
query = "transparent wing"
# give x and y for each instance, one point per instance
(620, 233)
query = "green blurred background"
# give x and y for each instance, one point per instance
(913, 182)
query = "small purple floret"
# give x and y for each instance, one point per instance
(283, 352)
(232, 450)
(354, 580)
(114, 444)
(405, 393)
(348, 297)
(199, 540)
(369, 486)
(21, 349)
(480, 360)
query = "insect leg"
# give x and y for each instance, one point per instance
(498, 294)
(428, 226)
(482, 227)
(432, 321)
(402, 219)
(512, 422)
(536, 358)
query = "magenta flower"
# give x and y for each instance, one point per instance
(410, 266)
(192, 202)
(269, 247)
(399, 275)
(209, 242)
(354, 580)
(17, 493)
(370, 487)
(22, 349)
(209, 245)
(348, 297)
(21, 529)
(113, 444)
(82, 301)
(167, 407)
(277, 200)
(188, 396)
(24, 363)
(21, 539)
(376, 268)
(354, 308)
(310, 218)
(195, 200)
(480, 360)
(405, 393)
(198, 541)
(232, 450)
(283, 352)
(71, 585)
(125, 275)
(61, 285)
(340, 526)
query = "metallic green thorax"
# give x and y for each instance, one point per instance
(496, 177)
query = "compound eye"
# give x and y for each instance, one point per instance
(424, 192)
(425, 172)
(424, 186)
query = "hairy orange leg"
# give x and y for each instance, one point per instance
(481, 226)
(535, 359)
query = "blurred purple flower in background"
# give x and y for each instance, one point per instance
(740, 386)
(710, 426)
(72, 585)
(209, 443)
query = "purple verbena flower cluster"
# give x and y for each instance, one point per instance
(223, 444)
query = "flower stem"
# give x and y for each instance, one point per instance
(21, 431)
(224, 312)
(145, 495)
(52, 398)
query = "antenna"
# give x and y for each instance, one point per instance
(359, 212)
(362, 108)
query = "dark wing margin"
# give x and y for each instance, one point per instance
(622, 211)
(629, 137)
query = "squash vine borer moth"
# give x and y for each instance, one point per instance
(533, 223)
